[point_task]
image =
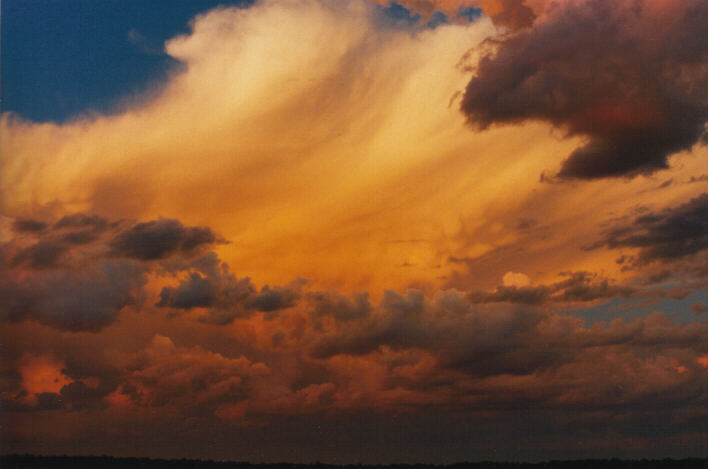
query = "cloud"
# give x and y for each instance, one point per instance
(341, 307)
(515, 279)
(43, 254)
(68, 277)
(615, 73)
(81, 300)
(159, 239)
(577, 287)
(164, 374)
(209, 284)
(339, 161)
(82, 220)
(484, 341)
(668, 235)
(28, 225)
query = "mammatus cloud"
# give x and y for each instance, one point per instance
(614, 72)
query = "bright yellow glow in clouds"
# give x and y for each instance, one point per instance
(325, 146)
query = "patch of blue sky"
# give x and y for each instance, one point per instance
(395, 14)
(470, 13)
(678, 310)
(62, 59)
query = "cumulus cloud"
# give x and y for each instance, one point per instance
(164, 374)
(68, 277)
(616, 73)
(211, 285)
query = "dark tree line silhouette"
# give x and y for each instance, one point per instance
(15, 461)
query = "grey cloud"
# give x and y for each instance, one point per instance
(41, 255)
(28, 225)
(161, 238)
(72, 300)
(615, 72)
(671, 234)
(209, 284)
(341, 307)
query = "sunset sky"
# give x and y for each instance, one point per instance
(354, 231)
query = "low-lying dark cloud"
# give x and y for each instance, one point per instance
(497, 339)
(44, 254)
(209, 284)
(668, 235)
(75, 300)
(79, 273)
(341, 307)
(629, 76)
(82, 220)
(161, 238)
(21, 225)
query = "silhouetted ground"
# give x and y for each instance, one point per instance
(107, 462)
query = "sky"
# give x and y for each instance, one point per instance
(354, 231)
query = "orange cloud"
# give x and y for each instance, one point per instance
(42, 374)
(301, 226)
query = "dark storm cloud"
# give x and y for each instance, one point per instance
(275, 298)
(74, 396)
(194, 291)
(55, 242)
(70, 278)
(479, 340)
(628, 76)
(21, 225)
(500, 340)
(341, 307)
(41, 255)
(161, 238)
(85, 300)
(668, 235)
(82, 220)
(210, 284)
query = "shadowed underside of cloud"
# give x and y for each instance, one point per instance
(250, 356)
(577, 287)
(630, 77)
(159, 239)
(210, 285)
(81, 300)
(142, 327)
(80, 273)
(668, 235)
